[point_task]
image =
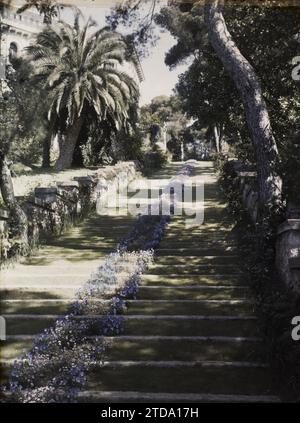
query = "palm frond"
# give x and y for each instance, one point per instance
(82, 70)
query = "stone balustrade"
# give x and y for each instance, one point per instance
(52, 209)
(288, 233)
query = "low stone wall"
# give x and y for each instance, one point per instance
(288, 253)
(243, 178)
(288, 235)
(53, 209)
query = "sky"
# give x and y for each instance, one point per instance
(159, 80)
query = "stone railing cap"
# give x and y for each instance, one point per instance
(294, 262)
(289, 225)
(45, 190)
(4, 214)
(247, 174)
(74, 184)
(84, 179)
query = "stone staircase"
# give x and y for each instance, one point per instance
(190, 336)
(39, 289)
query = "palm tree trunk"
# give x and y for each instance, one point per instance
(67, 145)
(16, 212)
(249, 87)
(216, 137)
(46, 151)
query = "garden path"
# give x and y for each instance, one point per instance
(190, 336)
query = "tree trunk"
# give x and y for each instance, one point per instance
(16, 212)
(67, 145)
(249, 87)
(78, 159)
(46, 151)
(217, 137)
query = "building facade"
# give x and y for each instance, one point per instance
(16, 31)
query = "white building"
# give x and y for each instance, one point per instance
(16, 31)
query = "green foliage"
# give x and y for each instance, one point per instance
(135, 18)
(22, 115)
(154, 160)
(275, 304)
(160, 110)
(80, 72)
(48, 8)
(290, 169)
(268, 38)
(99, 137)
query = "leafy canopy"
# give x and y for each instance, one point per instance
(83, 72)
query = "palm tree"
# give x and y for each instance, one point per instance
(82, 74)
(48, 8)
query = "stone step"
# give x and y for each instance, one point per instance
(70, 258)
(199, 251)
(228, 379)
(186, 307)
(201, 237)
(184, 349)
(166, 397)
(34, 306)
(192, 325)
(34, 291)
(192, 280)
(164, 364)
(192, 243)
(198, 260)
(193, 269)
(57, 269)
(61, 306)
(200, 292)
(160, 348)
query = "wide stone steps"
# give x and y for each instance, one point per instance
(190, 335)
(40, 288)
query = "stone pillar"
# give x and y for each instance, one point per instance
(288, 253)
(249, 195)
(4, 243)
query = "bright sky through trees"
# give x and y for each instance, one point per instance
(158, 79)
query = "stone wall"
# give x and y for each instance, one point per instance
(53, 209)
(288, 234)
